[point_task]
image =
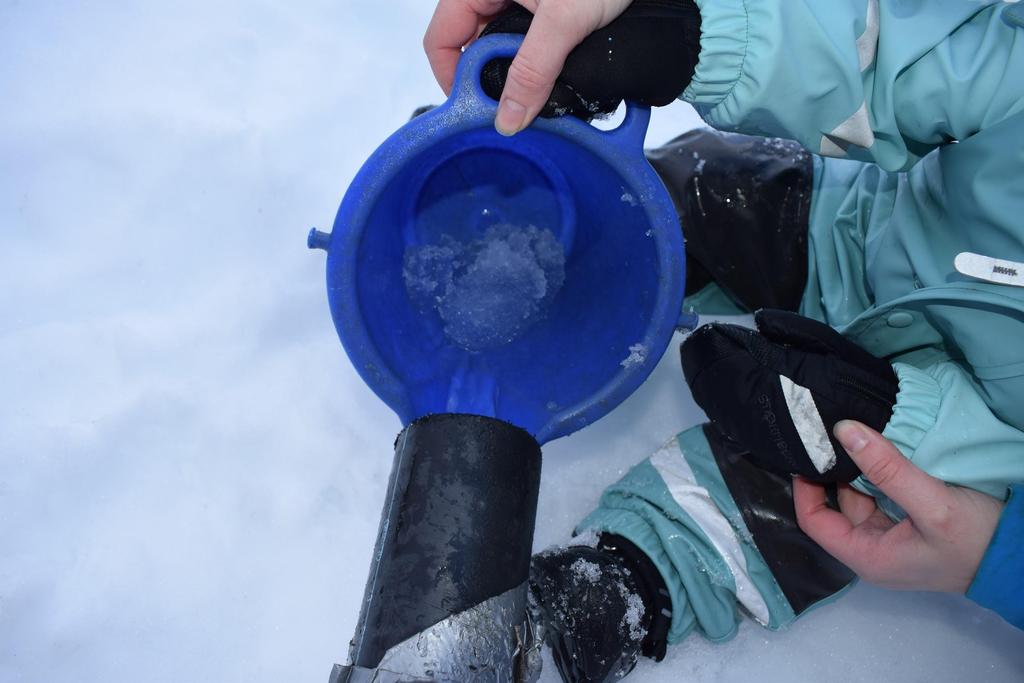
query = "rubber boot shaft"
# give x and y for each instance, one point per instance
(456, 530)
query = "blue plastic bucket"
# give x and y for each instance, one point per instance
(536, 279)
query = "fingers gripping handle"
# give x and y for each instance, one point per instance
(468, 94)
(467, 88)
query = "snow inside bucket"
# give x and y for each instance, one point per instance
(488, 290)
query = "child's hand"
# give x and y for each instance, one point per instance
(938, 547)
(558, 27)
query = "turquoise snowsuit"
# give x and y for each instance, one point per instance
(915, 112)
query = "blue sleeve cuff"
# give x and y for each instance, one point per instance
(916, 411)
(723, 50)
(1000, 579)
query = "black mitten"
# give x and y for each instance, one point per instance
(777, 392)
(646, 55)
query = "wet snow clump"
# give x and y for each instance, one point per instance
(487, 291)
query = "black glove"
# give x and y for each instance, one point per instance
(647, 55)
(600, 608)
(777, 392)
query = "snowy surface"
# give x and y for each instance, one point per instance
(190, 471)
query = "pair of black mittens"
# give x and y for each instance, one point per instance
(778, 391)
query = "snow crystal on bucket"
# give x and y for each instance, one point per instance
(487, 291)
(637, 356)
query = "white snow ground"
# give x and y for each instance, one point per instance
(190, 471)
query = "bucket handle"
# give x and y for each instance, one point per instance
(468, 93)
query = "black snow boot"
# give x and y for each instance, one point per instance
(744, 206)
(600, 609)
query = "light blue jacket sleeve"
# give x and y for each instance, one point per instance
(1000, 579)
(865, 79)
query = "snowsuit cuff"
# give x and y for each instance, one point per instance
(637, 531)
(725, 46)
(997, 585)
(916, 409)
(915, 413)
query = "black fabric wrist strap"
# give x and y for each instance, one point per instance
(653, 592)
